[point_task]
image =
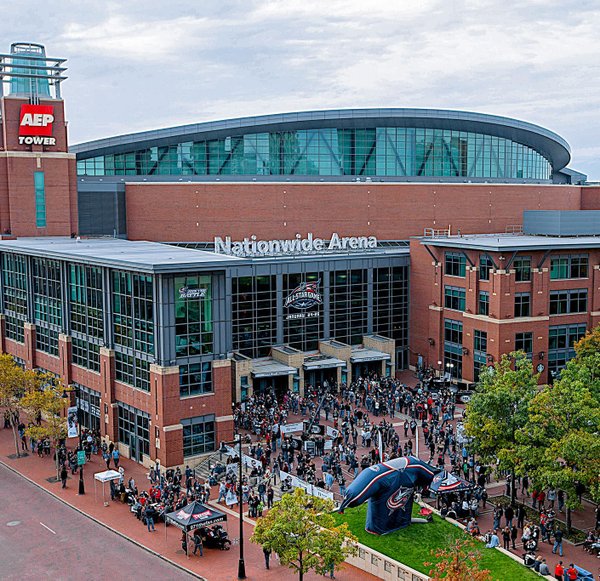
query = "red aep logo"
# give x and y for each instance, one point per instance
(36, 120)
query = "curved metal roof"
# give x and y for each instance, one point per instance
(546, 142)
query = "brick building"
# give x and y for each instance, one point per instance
(167, 274)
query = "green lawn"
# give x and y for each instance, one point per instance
(413, 545)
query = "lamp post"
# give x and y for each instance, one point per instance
(440, 369)
(241, 563)
(450, 366)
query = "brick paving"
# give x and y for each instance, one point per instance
(215, 565)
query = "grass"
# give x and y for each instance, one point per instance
(413, 545)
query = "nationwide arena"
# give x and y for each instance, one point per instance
(168, 273)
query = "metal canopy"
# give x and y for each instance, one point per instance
(364, 355)
(269, 367)
(322, 362)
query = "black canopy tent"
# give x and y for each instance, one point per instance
(193, 516)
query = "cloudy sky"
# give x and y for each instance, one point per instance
(142, 65)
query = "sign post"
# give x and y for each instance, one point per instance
(81, 464)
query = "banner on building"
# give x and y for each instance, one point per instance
(296, 482)
(290, 428)
(246, 460)
(72, 422)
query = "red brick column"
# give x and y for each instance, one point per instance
(222, 383)
(110, 426)
(29, 330)
(64, 352)
(166, 440)
(2, 334)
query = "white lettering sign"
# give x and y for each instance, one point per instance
(191, 293)
(36, 140)
(251, 246)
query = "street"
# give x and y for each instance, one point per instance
(41, 538)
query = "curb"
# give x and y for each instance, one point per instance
(85, 514)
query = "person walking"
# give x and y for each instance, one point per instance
(267, 554)
(198, 543)
(116, 458)
(64, 475)
(521, 516)
(558, 539)
(514, 533)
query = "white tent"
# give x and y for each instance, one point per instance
(105, 477)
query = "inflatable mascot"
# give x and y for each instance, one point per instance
(389, 488)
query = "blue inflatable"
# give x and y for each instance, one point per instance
(389, 488)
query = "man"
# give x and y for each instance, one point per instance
(544, 568)
(150, 513)
(509, 514)
(558, 539)
(198, 543)
(572, 573)
(559, 571)
(267, 554)
(116, 458)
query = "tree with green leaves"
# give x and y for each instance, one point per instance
(560, 445)
(499, 410)
(44, 397)
(302, 531)
(12, 389)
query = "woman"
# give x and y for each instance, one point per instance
(506, 538)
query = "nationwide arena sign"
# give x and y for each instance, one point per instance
(251, 246)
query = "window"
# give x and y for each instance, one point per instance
(134, 430)
(561, 341)
(40, 199)
(303, 329)
(453, 331)
(348, 305)
(193, 315)
(198, 435)
(524, 342)
(47, 298)
(569, 266)
(85, 300)
(483, 307)
(456, 264)
(132, 371)
(88, 403)
(14, 329)
(479, 353)
(480, 341)
(568, 301)
(522, 266)
(195, 379)
(454, 298)
(85, 354)
(46, 340)
(14, 288)
(485, 267)
(522, 304)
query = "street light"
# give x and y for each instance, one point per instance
(241, 564)
(450, 366)
(66, 395)
(440, 369)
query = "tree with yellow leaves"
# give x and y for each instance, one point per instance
(12, 389)
(44, 397)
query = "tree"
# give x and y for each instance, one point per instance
(560, 446)
(499, 409)
(44, 397)
(301, 530)
(12, 389)
(458, 562)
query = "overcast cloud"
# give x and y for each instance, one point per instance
(141, 65)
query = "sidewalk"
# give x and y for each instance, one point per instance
(214, 566)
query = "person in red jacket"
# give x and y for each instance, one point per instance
(572, 573)
(559, 571)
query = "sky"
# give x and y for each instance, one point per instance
(135, 65)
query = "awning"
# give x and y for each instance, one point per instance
(107, 475)
(195, 515)
(322, 362)
(268, 367)
(362, 355)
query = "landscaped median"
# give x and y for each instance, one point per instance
(415, 545)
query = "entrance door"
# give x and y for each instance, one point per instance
(133, 448)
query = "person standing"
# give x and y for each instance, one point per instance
(150, 513)
(509, 514)
(198, 543)
(514, 533)
(559, 571)
(506, 538)
(116, 458)
(267, 554)
(64, 476)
